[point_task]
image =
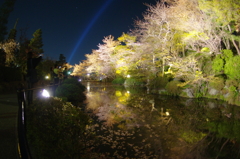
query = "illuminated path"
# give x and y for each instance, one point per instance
(104, 6)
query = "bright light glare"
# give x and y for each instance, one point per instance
(167, 114)
(128, 76)
(45, 93)
(46, 77)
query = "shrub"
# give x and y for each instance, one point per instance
(118, 80)
(232, 67)
(233, 93)
(206, 66)
(71, 90)
(74, 81)
(133, 81)
(218, 64)
(57, 129)
(217, 83)
(231, 82)
(173, 88)
(159, 82)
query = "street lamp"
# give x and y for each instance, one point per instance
(45, 93)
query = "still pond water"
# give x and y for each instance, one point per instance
(133, 123)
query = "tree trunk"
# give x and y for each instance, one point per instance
(234, 43)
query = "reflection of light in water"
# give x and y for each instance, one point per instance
(118, 93)
(167, 114)
(153, 104)
(88, 86)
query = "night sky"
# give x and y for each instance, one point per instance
(75, 27)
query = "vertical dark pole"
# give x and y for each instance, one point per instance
(22, 140)
(30, 93)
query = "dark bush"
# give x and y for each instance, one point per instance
(57, 129)
(72, 90)
(134, 81)
(173, 88)
(159, 82)
(9, 74)
(118, 80)
(74, 81)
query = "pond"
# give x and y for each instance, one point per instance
(133, 123)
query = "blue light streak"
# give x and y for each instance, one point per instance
(104, 6)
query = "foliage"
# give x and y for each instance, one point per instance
(9, 48)
(36, 43)
(186, 69)
(217, 83)
(74, 81)
(228, 64)
(232, 67)
(205, 64)
(44, 68)
(72, 90)
(159, 82)
(231, 82)
(62, 60)
(80, 69)
(5, 9)
(173, 88)
(133, 81)
(192, 137)
(57, 129)
(218, 64)
(185, 36)
(224, 129)
(118, 80)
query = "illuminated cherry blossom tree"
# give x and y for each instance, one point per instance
(9, 48)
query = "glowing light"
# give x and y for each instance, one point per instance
(167, 114)
(104, 6)
(128, 76)
(46, 77)
(45, 93)
(88, 87)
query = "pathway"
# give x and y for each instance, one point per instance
(8, 126)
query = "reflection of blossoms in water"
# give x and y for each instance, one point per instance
(128, 143)
(153, 126)
(108, 109)
(112, 114)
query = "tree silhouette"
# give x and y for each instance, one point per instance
(36, 43)
(5, 9)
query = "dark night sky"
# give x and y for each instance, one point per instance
(67, 23)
